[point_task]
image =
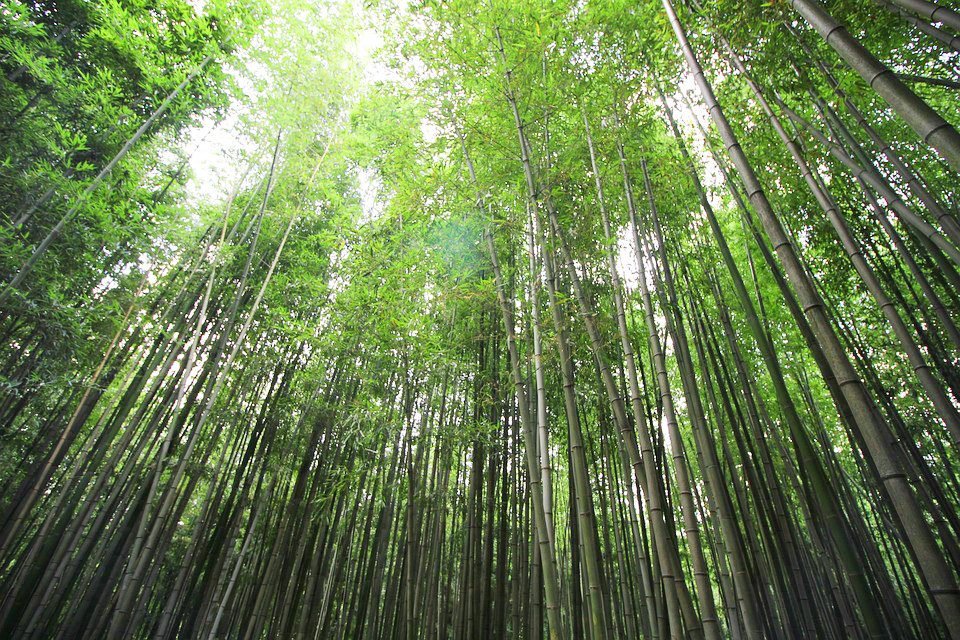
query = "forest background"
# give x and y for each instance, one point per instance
(577, 319)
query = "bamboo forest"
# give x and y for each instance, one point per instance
(480, 319)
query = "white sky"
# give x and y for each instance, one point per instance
(214, 164)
